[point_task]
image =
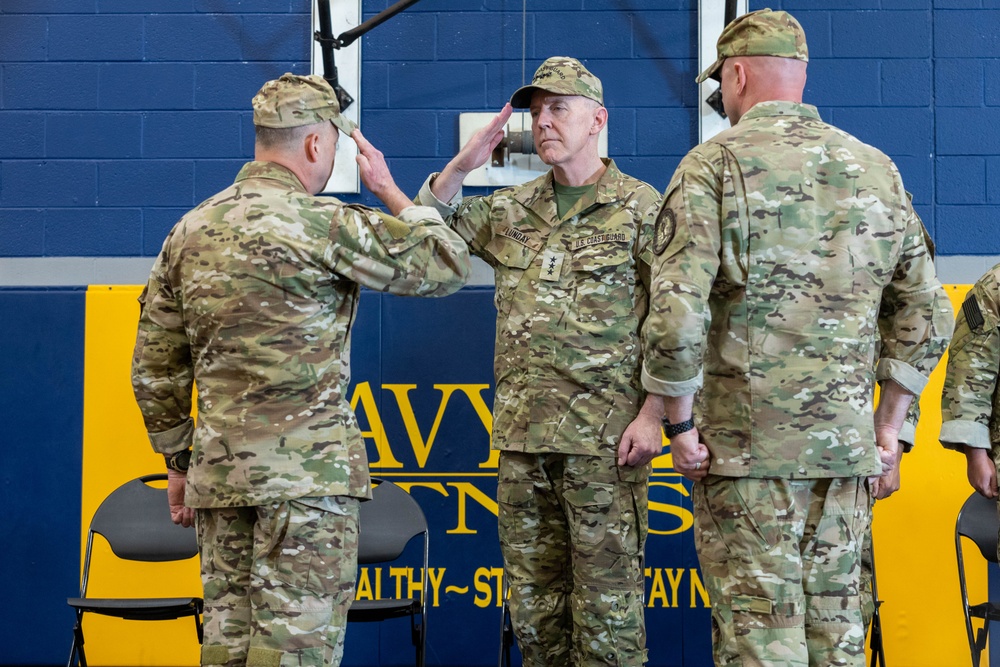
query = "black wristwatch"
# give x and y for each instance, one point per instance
(179, 461)
(670, 430)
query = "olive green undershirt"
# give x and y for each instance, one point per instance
(568, 195)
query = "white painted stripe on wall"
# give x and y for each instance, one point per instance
(52, 271)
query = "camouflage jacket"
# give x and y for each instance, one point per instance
(970, 400)
(784, 249)
(571, 295)
(252, 298)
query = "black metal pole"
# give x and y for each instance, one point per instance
(327, 43)
(348, 37)
(730, 11)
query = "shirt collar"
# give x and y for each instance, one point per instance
(271, 171)
(780, 108)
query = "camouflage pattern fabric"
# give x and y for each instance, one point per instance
(278, 579)
(970, 399)
(759, 33)
(786, 249)
(570, 296)
(572, 533)
(866, 581)
(563, 76)
(293, 101)
(780, 563)
(253, 296)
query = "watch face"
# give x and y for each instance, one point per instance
(663, 234)
(180, 461)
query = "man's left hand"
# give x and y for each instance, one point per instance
(179, 514)
(642, 441)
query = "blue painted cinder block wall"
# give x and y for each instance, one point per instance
(116, 116)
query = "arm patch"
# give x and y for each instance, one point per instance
(666, 227)
(973, 316)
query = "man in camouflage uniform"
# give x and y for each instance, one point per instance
(252, 298)
(970, 401)
(784, 249)
(571, 255)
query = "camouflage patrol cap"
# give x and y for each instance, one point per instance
(294, 100)
(563, 76)
(760, 33)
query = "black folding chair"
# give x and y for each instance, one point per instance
(135, 521)
(979, 522)
(875, 638)
(387, 524)
(506, 630)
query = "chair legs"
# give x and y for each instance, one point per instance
(980, 645)
(419, 637)
(875, 642)
(77, 656)
(506, 635)
(875, 639)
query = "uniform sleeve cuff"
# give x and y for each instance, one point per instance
(907, 436)
(427, 198)
(902, 373)
(665, 388)
(412, 215)
(175, 440)
(959, 432)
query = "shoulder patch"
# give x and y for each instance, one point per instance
(973, 315)
(666, 226)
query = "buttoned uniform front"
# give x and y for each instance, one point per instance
(571, 294)
(785, 249)
(253, 296)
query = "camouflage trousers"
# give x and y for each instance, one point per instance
(781, 561)
(278, 581)
(867, 575)
(572, 533)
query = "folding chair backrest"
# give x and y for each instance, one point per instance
(135, 520)
(387, 523)
(978, 520)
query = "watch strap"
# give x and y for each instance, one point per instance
(670, 430)
(179, 461)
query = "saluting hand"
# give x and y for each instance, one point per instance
(473, 154)
(478, 149)
(376, 176)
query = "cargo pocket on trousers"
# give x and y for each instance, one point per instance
(518, 517)
(734, 518)
(590, 507)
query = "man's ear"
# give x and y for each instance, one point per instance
(740, 72)
(600, 120)
(311, 146)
